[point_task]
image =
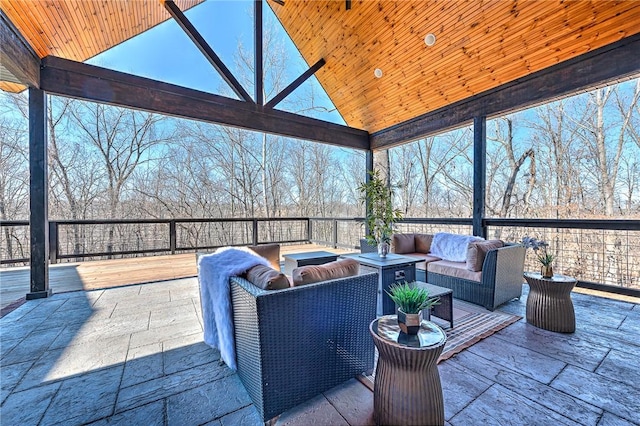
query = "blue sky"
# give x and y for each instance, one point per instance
(166, 53)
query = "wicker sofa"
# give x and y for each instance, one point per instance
(499, 280)
(295, 343)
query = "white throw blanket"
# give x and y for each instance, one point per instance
(214, 271)
(452, 247)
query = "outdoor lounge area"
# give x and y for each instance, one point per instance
(135, 355)
(487, 151)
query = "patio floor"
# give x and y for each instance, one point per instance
(134, 355)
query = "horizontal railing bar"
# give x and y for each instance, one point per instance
(616, 225)
(112, 253)
(7, 261)
(14, 223)
(238, 245)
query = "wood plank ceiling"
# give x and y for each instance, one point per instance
(81, 29)
(480, 45)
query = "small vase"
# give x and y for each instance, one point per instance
(409, 323)
(383, 249)
(547, 271)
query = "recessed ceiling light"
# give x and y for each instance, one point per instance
(430, 39)
(377, 72)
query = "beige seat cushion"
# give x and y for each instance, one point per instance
(424, 259)
(271, 252)
(329, 271)
(477, 251)
(423, 242)
(267, 278)
(454, 269)
(403, 243)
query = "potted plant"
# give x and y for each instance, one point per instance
(544, 257)
(381, 216)
(411, 302)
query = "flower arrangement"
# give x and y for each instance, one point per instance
(542, 255)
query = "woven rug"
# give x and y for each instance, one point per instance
(471, 324)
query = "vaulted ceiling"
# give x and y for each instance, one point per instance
(81, 29)
(479, 45)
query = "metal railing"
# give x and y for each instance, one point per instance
(596, 252)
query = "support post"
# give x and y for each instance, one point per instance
(38, 195)
(257, 11)
(335, 233)
(367, 207)
(479, 174)
(172, 236)
(53, 242)
(255, 232)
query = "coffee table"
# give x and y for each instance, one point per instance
(444, 309)
(549, 304)
(391, 269)
(295, 260)
(407, 389)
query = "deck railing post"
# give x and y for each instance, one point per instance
(309, 230)
(335, 233)
(53, 242)
(172, 236)
(255, 232)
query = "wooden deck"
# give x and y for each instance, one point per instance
(99, 274)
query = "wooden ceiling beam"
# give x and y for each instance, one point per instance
(258, 52)
(206, 50)
(18, 58)
(295, 84)
(617, 61)
(82, 81)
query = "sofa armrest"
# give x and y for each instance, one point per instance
(503, 269)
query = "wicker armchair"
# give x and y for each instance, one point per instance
(296, 343)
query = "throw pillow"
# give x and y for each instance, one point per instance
(267, 278)
(423, 242)
(329, 271)
(271, 252)
(403, 243)
(477, 252)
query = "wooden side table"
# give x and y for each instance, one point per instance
(407, 389)
(549, 304)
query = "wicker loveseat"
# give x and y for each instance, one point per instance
(295, 343)
(496, 280)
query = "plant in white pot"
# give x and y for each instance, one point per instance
(412, 301)
(381, 216)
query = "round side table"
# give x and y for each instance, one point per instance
(549, 304)
(407, 387)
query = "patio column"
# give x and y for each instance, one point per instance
(38, 195)
(367, 179)
(479, 174)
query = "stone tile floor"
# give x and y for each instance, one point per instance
(134, 355)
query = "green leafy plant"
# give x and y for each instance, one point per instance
(540, 249)
(411, 299)
(381, 216)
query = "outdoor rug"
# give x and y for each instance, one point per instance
(471, 324)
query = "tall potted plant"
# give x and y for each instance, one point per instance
(381, 216)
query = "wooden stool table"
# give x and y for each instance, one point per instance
(549, 304)
(407, 389)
